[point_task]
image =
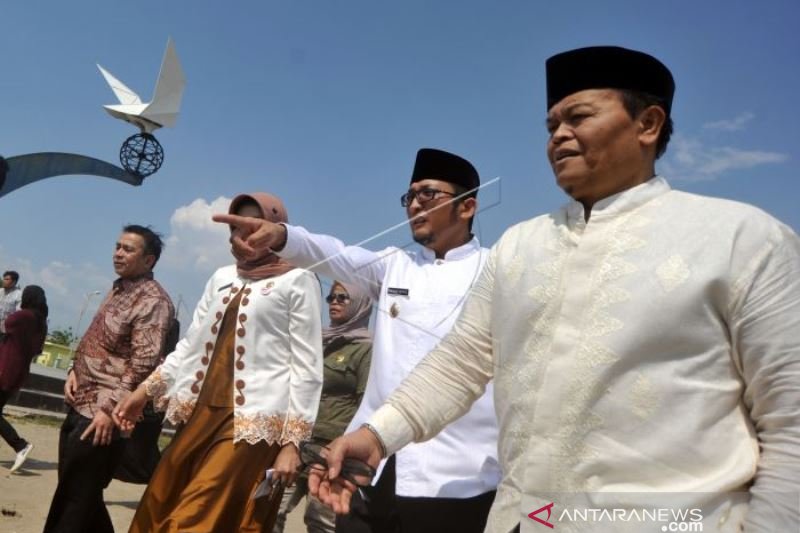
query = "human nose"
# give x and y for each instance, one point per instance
(414, 203)
(557, 137)
(561, 133)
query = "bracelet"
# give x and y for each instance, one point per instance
(371, 429)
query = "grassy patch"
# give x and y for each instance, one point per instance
(41, 420)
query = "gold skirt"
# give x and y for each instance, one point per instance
(204, 482)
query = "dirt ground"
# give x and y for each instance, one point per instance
(25, 496)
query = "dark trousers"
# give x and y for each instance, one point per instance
(141, 455)
(7, 431)
(84, 471)
(378, 509)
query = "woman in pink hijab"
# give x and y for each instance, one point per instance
(243, 384)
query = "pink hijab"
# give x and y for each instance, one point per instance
(267, 265)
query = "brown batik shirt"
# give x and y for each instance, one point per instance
(123, 344)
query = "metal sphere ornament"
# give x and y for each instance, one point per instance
(141, 154)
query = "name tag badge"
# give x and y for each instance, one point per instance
(396, 291)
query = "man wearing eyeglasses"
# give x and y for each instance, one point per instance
(447, 483)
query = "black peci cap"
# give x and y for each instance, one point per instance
(440, 165)
(607, 67)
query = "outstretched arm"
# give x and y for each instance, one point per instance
(320, 253)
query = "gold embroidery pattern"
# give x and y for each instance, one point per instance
(296, 431)
(643, 397)
(155, 386)
(673, 273)
(179, 411)
(257, 427)
(514, 270)
(270, 428)
(524, 372)
(584, 388)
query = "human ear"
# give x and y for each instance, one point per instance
(468, 207)
(650, 122)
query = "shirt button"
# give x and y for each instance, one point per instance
(439, 262)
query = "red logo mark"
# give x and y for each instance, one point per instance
(544, 522)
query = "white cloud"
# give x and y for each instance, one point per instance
(69, 288)
(195, 241)
(56, 276)
(689, 159)
(195, 247)
(734, 124)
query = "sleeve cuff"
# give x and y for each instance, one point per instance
(393, 428)
(290, 247)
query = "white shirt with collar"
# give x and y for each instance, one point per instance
(9, 303)
(419, 298)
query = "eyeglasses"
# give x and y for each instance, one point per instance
(355, 471)
(423, 196)
(338, 297)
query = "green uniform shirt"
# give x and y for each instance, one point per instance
(345, 372)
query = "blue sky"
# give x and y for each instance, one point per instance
(326, 103)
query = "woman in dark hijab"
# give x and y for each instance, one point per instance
(25, 334)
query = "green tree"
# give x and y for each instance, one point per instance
(64, 337)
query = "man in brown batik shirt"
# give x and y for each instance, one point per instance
(120, 348)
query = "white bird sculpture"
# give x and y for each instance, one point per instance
(163, 109)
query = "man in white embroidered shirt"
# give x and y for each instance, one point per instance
(447, 483)
(644, 343)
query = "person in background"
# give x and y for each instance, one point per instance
(10, 298)
(347, 349)
(244, 384)
(26, 331)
